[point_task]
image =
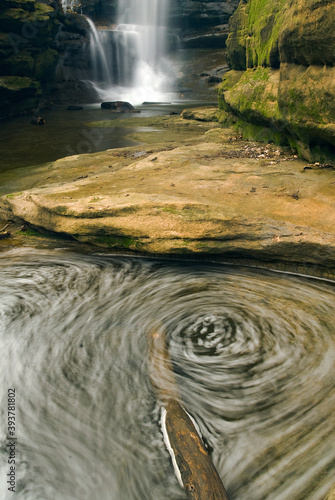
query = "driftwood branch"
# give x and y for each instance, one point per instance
(5, 227)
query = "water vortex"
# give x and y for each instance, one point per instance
(253, 352)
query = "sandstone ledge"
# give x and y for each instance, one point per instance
(231, 199)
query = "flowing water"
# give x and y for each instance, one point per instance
(129, 60)
(253, 352)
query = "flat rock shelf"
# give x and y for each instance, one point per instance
(209, 193)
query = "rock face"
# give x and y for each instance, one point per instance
(203, 24)
(27, 56)
(200, 23)
(72, 43)
(282, 55)
(34, 37)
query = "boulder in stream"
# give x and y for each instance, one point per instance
(37, 120)
(119, 106)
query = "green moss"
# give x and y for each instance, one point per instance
(236, 42)
(43, 8)
(13, 195)
(171, 210)
(116, 242)
(255, 29)
(260, 133)
(229, 81)
(303, 102)
(254, 97)
(63, 210)
(265, 21)
(18, 83)
(29, 231)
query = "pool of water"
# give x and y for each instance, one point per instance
(66, 133)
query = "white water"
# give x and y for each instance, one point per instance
(70, 4)
(99, 59)
(129, 62)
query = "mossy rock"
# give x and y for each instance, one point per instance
(6, 47)
(264, 33)
(229, 80)
(202, 114)
(255, 96)
(296, 103)
(236, 41)
(254, 30)
(307, 94)
(288, 51)
(18, 84)
(21, 64)
(75, 23)
(307, 35)
(29, 24)
(45, 65)
(23, 4)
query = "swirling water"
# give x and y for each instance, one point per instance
(253, 352)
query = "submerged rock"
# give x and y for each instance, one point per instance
(37, 120)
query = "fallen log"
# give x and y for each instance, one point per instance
(193, 467)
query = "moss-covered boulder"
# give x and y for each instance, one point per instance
(286, 50)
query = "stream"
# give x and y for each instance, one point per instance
(254, 357)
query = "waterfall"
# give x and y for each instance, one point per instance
(99, 60)
(70, 4)
(129, 60)
(148, 19)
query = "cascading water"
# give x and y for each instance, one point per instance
(134, 53)
(70, 4)
(254, 357)
(99, 58)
